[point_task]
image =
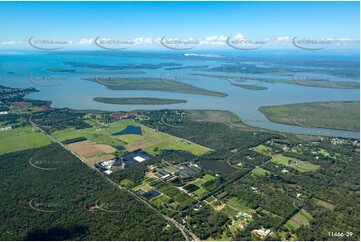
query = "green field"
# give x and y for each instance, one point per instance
(138, 100)
(152, 141)
(332, 115)
(126, 183)
(264, 150)
(260, 172)
(199, 182)
(237, 204)
(298, 165)
(301, 218)
(324, 204)
(21, 139)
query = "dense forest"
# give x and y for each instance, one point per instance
(59, 202)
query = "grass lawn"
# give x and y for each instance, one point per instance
(21, 139)
(300, 166)
(324, 204)
(260, 172)
(264, 150)
(235, 203)
(292, 225)
(126, 183)
(183, 199)
(301, 218)
(229, 211)
(159, 200)
(199, 182)
(144, 184)
(200, 192)
(152, 141)
(208, 177)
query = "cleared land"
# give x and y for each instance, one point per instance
(21, 139)
(152, 141)
(332, 115)
(301, 166)
(138, 101)
(93, 153)
(302, 218)
(324, 204)
(260, 172)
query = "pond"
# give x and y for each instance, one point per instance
(216, 166)
(130, 129)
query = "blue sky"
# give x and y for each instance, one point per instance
(81, 22)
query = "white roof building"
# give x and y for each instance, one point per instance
(139, 159)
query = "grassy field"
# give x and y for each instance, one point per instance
(332, 115)
(138, 100)
(151, 141)
(21, 139)
(235, 203)
(199, 182)
(294, 163)
(302, 218)
(260, 172)
(264, 150)
(324, 204)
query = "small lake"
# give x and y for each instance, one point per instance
(216, 166)
(130, 129)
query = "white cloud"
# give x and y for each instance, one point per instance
(85, 41)
(143, 40)
(12, 42)
(213, 40)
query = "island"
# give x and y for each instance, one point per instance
(330, 115)
(138, 100)
(151, 84)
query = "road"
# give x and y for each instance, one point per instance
(175, 223)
